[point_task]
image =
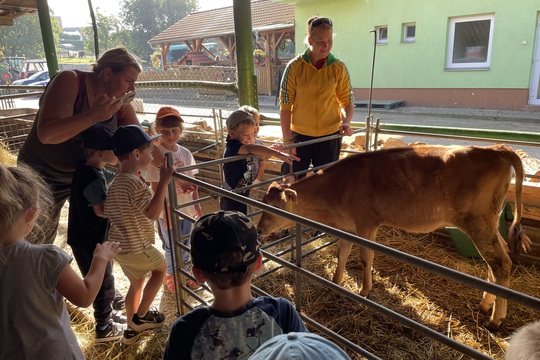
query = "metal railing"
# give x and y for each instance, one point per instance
(296, 248)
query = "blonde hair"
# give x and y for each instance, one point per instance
(254, 112)
(21, 189)
(118, 59)
(324, 25)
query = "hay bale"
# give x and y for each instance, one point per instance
(6, 157)
(393, 143)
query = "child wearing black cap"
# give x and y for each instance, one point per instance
(240, 173)
(225, 253)
(132, 210)
(87, 226)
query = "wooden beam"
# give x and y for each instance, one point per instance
(530, 199)
(20, 4)
(6, 21)
(164, 51)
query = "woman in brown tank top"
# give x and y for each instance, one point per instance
(71, 103)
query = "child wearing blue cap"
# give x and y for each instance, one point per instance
(225, 252)
(132, 210)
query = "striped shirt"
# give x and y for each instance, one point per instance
(127, 200)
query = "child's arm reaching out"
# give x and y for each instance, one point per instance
(82, 292)
(160, 191)
(266, 152)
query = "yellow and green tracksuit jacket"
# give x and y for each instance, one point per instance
(315, 96)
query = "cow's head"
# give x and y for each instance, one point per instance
(282, 197)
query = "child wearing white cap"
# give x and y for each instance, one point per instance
(525, 343)
(299, 346)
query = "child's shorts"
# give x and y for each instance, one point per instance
(138, 265)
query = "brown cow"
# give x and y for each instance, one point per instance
(418, 189)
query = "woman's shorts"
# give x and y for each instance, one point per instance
(140, 264)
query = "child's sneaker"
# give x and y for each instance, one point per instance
(153, 319)
(112, 332)
(119, 317)
(131, 336)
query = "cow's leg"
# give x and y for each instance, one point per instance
(344, 250)
(494, 251)
(366, 256)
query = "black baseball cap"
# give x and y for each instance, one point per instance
(98, 137)
(130, 137)
(216, 233)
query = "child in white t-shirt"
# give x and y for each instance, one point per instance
(169, 124)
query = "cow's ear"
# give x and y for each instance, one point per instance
(274, 184)
(288, 179)
(290, 195)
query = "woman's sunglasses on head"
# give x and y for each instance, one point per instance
(320, 21)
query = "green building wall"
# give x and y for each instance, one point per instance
(416, 72)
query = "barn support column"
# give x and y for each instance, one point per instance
(247, 84)
(47, 35)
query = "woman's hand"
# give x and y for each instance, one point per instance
(104, 108)
(346, 129)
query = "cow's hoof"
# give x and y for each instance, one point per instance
(492, 326)
(364, 293)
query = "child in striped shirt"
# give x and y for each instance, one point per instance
(132, 210)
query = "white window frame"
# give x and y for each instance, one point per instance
(405, 38)
(382, 41)
(451, 38)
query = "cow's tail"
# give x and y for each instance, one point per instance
(518, 241)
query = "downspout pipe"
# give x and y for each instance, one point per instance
(247, 82)
(47, 35)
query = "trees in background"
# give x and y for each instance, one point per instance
(144, 19)
(24, 37)
(138, 22)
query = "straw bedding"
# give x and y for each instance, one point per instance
(444, 305)
(447, 306)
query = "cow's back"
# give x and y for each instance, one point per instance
(418, 188)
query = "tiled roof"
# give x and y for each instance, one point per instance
(197, 58)
(217, 22)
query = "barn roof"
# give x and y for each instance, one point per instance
(218, 22)
(12, 9)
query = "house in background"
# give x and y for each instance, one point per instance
(273, 32)
(461, 53)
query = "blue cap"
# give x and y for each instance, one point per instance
(98, 137)
(130, 137)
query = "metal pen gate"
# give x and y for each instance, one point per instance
(295, 264)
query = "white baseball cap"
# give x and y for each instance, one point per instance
(299, 346)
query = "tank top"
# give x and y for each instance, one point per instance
(60, 160)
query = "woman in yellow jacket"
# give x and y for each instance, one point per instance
(315, 87)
